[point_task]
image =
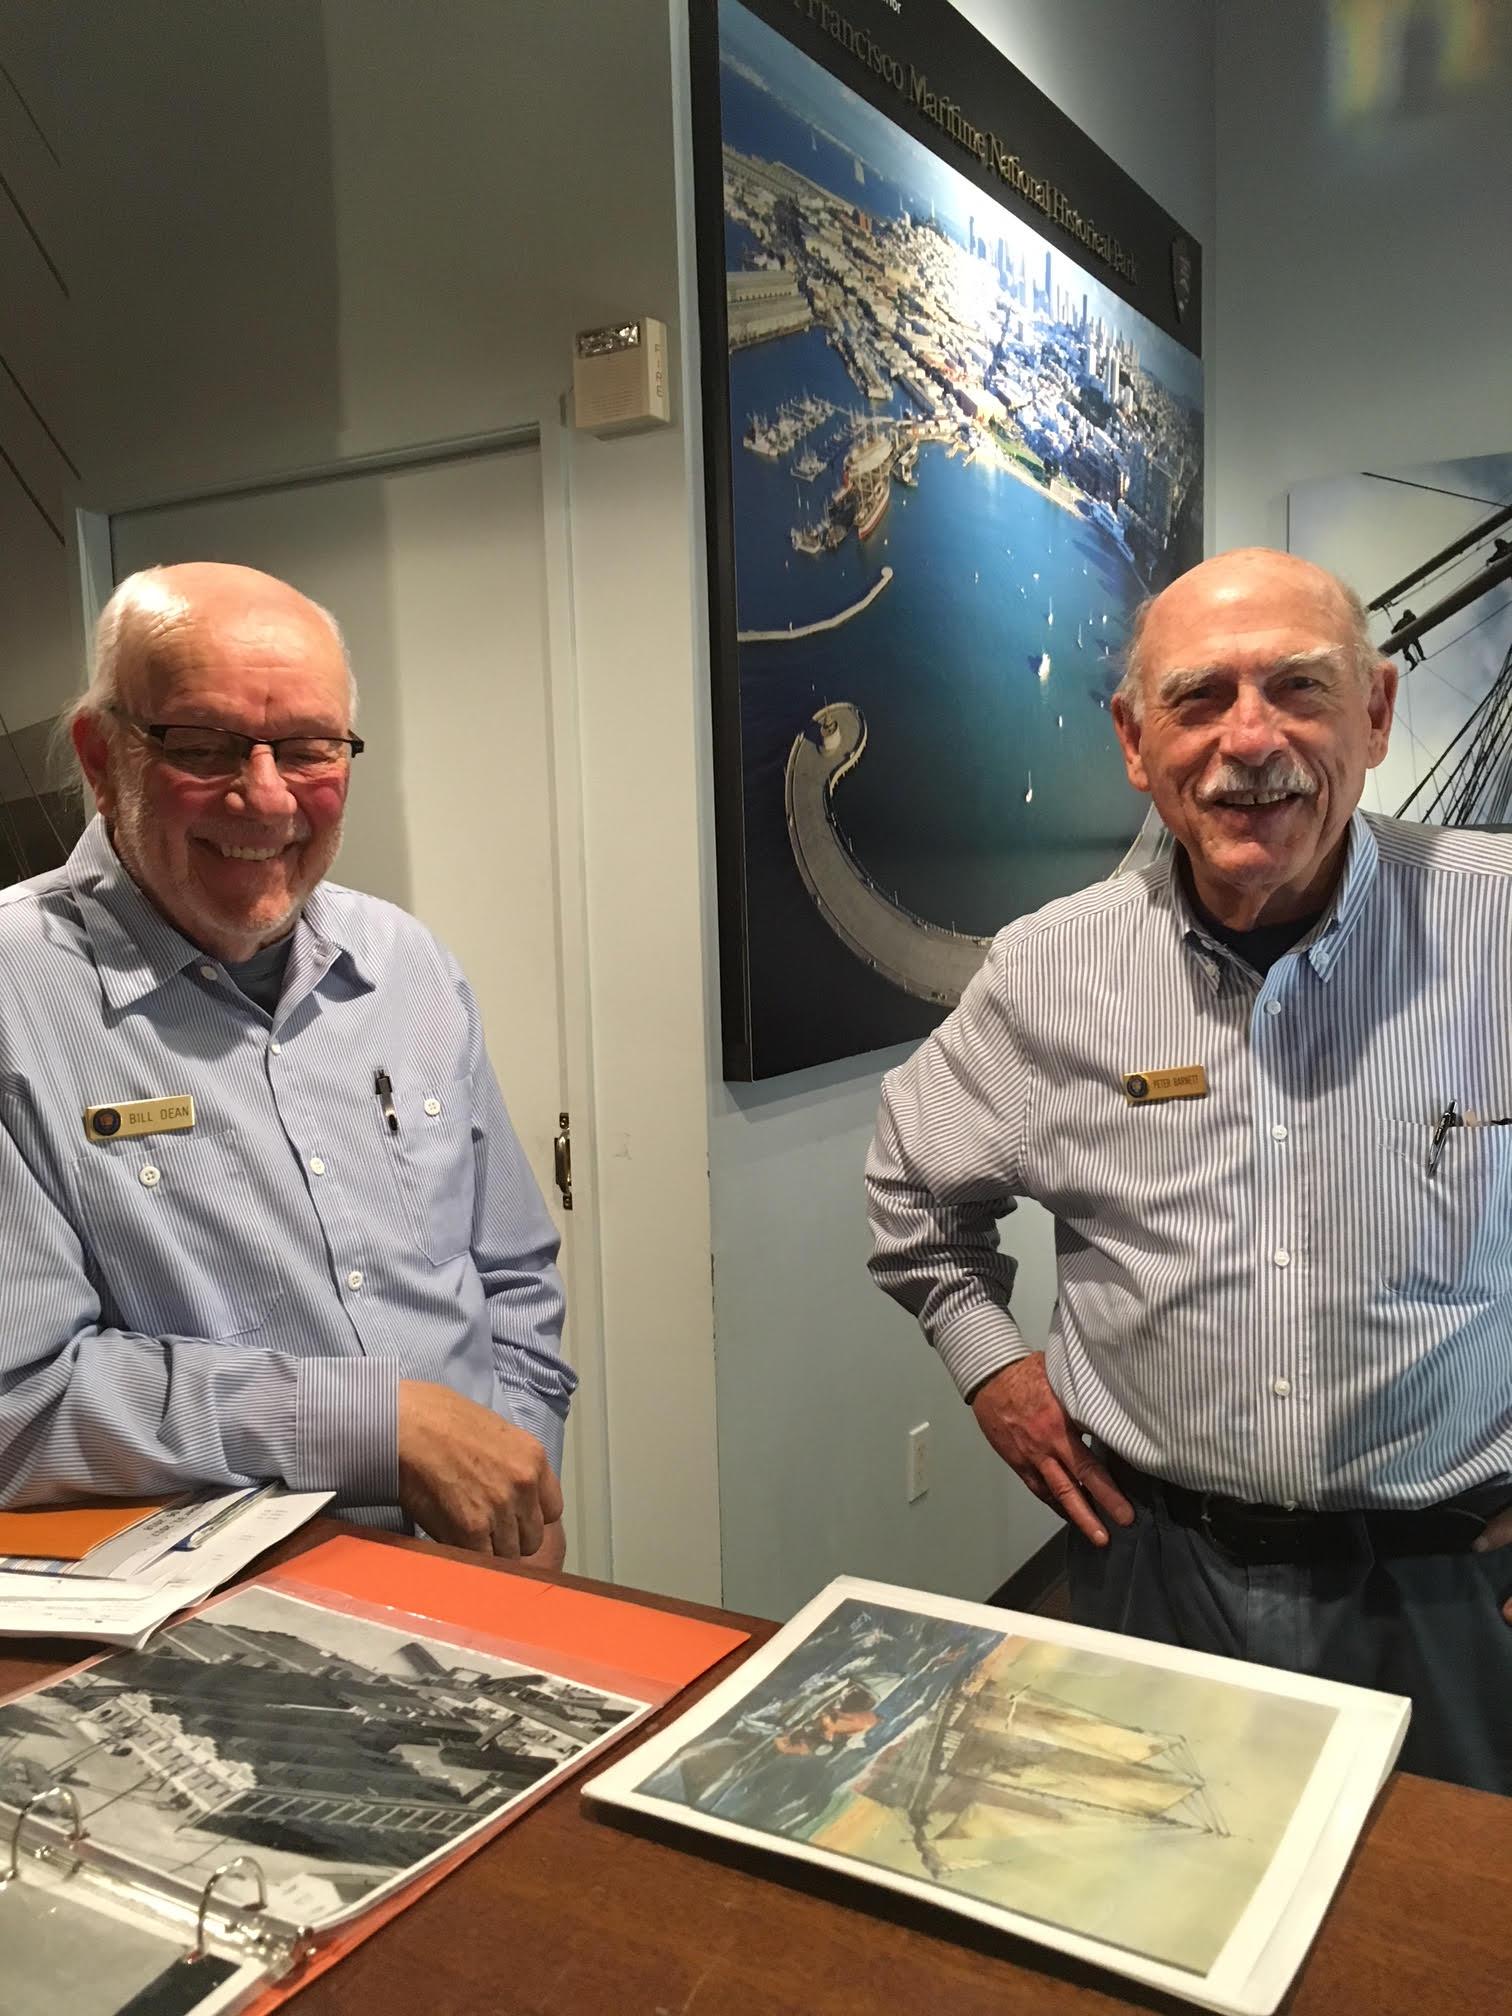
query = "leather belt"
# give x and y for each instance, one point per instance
(1274, 1533)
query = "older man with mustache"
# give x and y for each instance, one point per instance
(1265, 1090)
(265, 1215)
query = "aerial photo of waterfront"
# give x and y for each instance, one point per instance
(958, 463)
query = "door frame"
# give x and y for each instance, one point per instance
(587, 1483)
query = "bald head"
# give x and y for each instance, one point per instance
(152, 609)
(1244, 578)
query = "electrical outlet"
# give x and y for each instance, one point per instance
(918, 1461)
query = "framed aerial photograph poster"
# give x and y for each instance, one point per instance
(953, 437)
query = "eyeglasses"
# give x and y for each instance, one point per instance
(214, 753)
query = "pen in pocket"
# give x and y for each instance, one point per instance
(1450, 1117)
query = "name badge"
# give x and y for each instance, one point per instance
(1144, 1088)
(139, 1116)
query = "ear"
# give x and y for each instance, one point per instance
(1129, 733)
(92, 747)
(1382, 708)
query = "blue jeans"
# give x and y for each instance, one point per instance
(1428, 1626)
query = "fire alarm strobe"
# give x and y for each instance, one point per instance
(619, 377)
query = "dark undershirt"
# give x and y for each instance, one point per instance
(1263, 946)
(261, 977)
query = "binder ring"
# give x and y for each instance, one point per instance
(242, 1863)
(76, 1826)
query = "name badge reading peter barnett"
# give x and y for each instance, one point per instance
(139, 1116)
(1144, 1088)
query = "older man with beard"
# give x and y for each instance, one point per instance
(1265, 1090)
(265, 1215)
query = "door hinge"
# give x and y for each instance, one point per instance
(563, 1154)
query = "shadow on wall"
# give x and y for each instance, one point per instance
(197, 144)
(41, 812)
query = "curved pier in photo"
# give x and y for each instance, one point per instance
(924, 959)
(825, 623)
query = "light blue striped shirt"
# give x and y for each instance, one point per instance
(240, 1301)
(1264, 1291)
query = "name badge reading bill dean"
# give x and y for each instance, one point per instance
(1144, 1088)
(139, 1116)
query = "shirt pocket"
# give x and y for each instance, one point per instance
(178, 1243)
(1447, 1236)
(432, 1161)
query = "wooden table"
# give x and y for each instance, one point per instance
(568, 1914)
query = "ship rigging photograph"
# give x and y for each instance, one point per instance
(1431, 549)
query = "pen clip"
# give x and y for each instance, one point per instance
(1450, 1117)
(383, 1085)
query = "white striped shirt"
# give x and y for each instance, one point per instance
(1262, 1292)
(240, 1301)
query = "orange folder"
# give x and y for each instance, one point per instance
(68, 1532)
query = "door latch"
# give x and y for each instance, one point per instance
(562, 1147)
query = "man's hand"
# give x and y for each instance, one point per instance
(552, 1552)
(1023, 1420)
(1498, 1533)
(470, 1479)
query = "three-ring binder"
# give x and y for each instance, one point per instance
(53, 1791)
(208, 1919)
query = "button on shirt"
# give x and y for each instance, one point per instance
(1288, 1219)
(241, 1300)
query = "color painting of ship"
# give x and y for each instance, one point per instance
(1116, 1799)
(996, 1765)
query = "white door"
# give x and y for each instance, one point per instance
(436, 572)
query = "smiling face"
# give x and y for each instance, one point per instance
(1255, 730)
(230, 861)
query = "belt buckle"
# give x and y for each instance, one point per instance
(1219, 1533)
(1225, 1527)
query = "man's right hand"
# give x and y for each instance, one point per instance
(470, 1479)
(1017, 1410)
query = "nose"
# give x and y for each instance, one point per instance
(1253, 730)
(260, 787)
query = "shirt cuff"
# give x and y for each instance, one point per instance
(529, 1411)
(978, 1344)
(346, 1429)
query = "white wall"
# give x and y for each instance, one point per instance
(304, 230)
(819, 1378)
(1364, 289)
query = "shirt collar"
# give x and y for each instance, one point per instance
(135, 947)
(1351, 894)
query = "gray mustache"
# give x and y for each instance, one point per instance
(1281, 773)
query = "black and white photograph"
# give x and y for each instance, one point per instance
(342, 1754)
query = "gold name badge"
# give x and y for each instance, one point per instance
(139, 1116)
(1143, 1088)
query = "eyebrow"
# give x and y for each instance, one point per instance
(1184, 679)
